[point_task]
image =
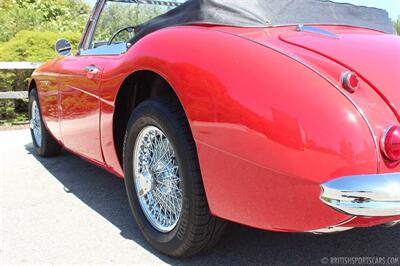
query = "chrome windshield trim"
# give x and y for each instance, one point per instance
(364, 195)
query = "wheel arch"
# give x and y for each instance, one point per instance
(31, 85)
(136, 88)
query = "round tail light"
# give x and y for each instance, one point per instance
(390, 143)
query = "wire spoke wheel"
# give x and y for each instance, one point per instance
(36, 123)
(157, 181)
(163, 180)
(44, 143)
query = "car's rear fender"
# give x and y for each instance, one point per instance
(268, 129)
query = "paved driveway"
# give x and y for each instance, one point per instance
(64, 210)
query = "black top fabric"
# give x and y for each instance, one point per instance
(264, 13)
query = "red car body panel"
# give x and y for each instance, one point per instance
(350, 51)
(80, 107)
(266, 108)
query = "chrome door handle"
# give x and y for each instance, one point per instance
(92, 70)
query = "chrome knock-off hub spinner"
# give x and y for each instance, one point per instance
(144, 183)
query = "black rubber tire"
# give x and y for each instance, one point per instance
(49, 146)
(197, 229)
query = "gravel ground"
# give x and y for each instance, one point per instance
(67, 211)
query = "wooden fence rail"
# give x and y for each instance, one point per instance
(10, 95)
(19, 65)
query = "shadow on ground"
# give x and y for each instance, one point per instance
(105, 194)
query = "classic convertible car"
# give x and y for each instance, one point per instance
(279, 115)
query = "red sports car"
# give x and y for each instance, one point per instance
(282, 115)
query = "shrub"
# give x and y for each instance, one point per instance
(30, 46)
(34, 46)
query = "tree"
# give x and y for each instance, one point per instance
(397, 25)
(29, 29)
(41, 15)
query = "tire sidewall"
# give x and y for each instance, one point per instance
(152, 113)
(33, 96)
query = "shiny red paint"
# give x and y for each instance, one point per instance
(266, 107)
(80, 106)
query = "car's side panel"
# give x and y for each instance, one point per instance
(80, 106)
(116, 71)
(261, 122)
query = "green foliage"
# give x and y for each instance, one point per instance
(28, 33)
(31, 46)
(41, 15)
(30, 29)
(34, 46)
(397, 25)
(9, 112)
(14, 80)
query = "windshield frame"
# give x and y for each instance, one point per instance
(91, 26)
(84, 47)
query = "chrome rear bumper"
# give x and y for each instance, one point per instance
(364, 195)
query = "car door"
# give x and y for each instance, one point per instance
(79, 88)
(79, 84)
(106, 39)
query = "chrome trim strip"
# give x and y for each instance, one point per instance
(151, 2)
(91, 26)
(316, 30)
(334, 228)
(364, 195)
(345, 81)
(391, 224)
(330, 230)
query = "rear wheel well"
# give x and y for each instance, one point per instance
(136, 88)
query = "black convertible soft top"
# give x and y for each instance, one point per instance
(264, 13)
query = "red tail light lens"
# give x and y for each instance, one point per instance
(390, 143)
